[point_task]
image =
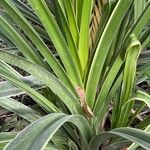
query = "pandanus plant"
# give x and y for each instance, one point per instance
(79, 59)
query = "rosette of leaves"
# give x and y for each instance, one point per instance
(80, 59)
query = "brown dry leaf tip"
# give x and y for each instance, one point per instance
(84, 105)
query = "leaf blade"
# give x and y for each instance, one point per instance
(43, 130)
(102, 49)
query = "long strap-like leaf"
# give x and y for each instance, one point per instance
(64, 26)
(71, 20)
(27, 11)
(103, 48)
(7, 89)
(138, 8)
(37, 41)
(9, 69)
(7, 136)
(140, 96)
(38, 134)
(19, 41)
(128, 78)
(142, 21)
(135, 135)
(134, 146)
(83, 48)
(57, 38)
(79, 5)
(40, 99)
(46, 77)
(19, 109)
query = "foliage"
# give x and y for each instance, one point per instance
(80, 60)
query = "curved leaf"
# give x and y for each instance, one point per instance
(57, 38)
(18, 40)
(19, 109)
(38, 134)
(114, 71)
(128, 79)
(134, 146)
(7, 89)
(47, 78)
(40, 99)
(8, 68)
(117, 145)
(103, 48)
(62, 20)
(140, 96)
(9, 6)
(7, 136)
(135, 135)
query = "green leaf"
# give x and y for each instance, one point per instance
(7, 136)
(9, 6)
(13, 50)
(133, 52)
(27, 12)
(7, 89)
(79, 6)
(83, 48)
(46, 77)
(115, 69)
(122, 32)
(62, 20)
(134, 146)
(105, 97)
(9, 73)
(6, 39)
(105, 89)
(71, 20)
(19, 109)
(117, 145)
(103, 48)
(57, 38)
(142, 21)
(140, 96)
(40, 99)
(18, 40)
(138, 8)
(2, 145)
(143, 124)
(8, 68)
(135, 135)
(39, 133)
